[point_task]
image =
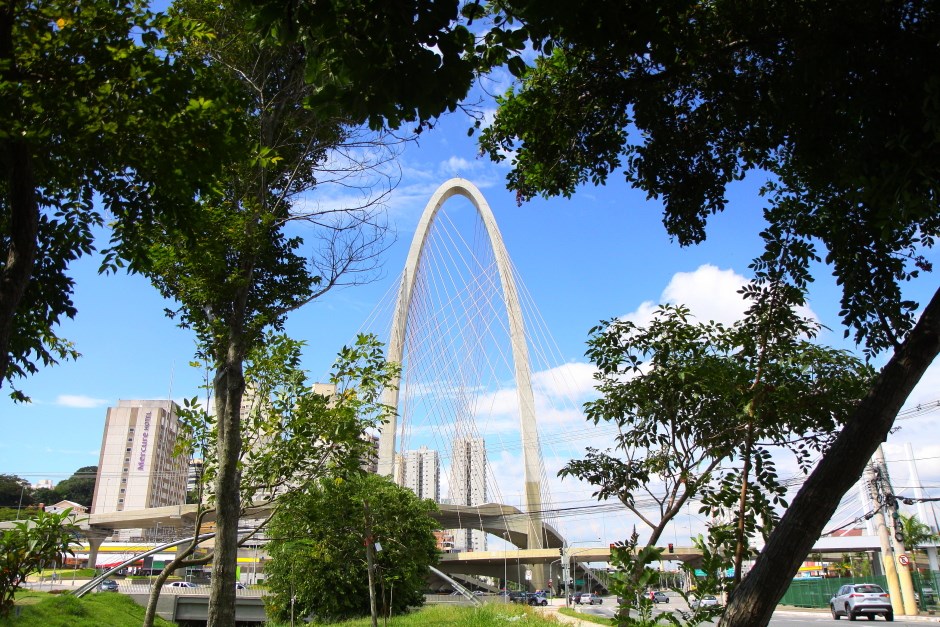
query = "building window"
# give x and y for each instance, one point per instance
(125, 469)
(120, 500)
(128, 450)
(124, 480)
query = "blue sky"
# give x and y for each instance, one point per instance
(600, 254)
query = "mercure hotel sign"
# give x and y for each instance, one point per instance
(143, 442)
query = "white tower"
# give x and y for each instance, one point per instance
(468, 487)
(421, 473)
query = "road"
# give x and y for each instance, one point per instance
(781, 618)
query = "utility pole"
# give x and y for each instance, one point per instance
(872, 473)
(890, 501)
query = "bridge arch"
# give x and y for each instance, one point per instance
(531, 452)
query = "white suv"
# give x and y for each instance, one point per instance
(590, 599)
(861, 599)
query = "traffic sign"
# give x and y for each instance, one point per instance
(904, 560)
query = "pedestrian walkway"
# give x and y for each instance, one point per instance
(552, 610)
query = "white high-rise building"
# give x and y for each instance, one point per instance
(468, 487)
(136, 467)
(421, 473)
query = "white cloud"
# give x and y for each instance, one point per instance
(573, 380)
(80, 402)
(709, 292)
(458, 166)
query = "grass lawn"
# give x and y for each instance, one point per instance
(588, 618)
(459, 616)
(41, 609)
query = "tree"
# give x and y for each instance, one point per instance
(916, 534)
(240, 266)
(837, 101)
(701, 406)
(14, 491)
(80, 487)
(318, 548)
(26, 547)
(294, 434)
(93, 104)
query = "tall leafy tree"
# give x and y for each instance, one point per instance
(836, 100)
(93, 105)
(293, 433)
(80, 487)
(318, 549)
(13, 489)
(701, 407)
(242, 264)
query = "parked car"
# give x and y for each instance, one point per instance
(181, 584)
(861, 599)
(108, 585)
(659, 597)
(704, 601)
(239, 586)
(589, 598)
(537, 598)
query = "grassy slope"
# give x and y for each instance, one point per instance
(495, 615)
(40, 609)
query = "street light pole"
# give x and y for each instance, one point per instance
(20, 505)
(568, 555)
(505, 565)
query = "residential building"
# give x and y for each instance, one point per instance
(193, 475)
(468, 487)
(61, 506)
(421, 473)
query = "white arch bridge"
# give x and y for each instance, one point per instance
(459, 332)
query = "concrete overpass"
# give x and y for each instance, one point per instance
(503, 521)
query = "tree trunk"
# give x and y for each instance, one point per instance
(370, 565)
(16, 163)
(753, 602)
(740, 539)
(154, 597)
(229, 387)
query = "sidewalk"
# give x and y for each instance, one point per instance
(552, 610)
(815, 611)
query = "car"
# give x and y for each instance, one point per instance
(704, 601)
(108, 585)
(239, 586)
(537, 598)
(861, 599)
(180, 584)
(574, 598)
(659, 597)
(589, 598)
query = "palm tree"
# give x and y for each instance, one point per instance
(916, 534)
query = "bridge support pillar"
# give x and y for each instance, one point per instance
(94, 543)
